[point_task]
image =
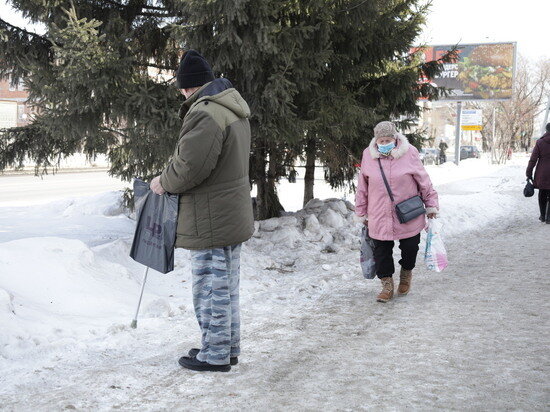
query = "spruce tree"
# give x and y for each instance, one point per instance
(369, 76)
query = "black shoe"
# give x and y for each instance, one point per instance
(194, 352)
(541, 218)
(196, 365)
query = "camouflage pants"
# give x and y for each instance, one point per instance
(216, 301)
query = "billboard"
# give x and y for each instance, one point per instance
(481, 71)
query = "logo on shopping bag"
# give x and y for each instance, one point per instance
(154, 228)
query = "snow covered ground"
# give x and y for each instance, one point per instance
(24, 190)
(473, 337)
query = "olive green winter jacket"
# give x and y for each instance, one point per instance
(209, 169)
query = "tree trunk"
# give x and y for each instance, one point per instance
(309, 178)
(267, 201)
(259, 178)
(272, 206)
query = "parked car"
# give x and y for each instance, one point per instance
(469, 152)
(429, 156)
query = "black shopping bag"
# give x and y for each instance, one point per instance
(156, 221)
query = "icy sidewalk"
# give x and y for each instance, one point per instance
(472, 338)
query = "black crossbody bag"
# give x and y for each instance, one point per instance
(408, 209)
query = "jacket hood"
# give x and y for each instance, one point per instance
(546, 137)
(401, 147)
(219, 91)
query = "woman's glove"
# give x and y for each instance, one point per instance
(361, 219)
(432, 212)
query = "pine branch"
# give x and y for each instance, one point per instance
(122, 6)
(20, 30)
(352, 7)
(157, 66)
(115, 3)
(108, 129)
(152, 14)
(155, 8)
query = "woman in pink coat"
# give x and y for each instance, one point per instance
(407, 178)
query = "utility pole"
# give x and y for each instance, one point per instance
(457, 133)
(494, 129)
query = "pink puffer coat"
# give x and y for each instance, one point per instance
(407, 178)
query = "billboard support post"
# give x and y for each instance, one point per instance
(493, 142)
(457, 133)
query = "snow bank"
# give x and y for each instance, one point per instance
(64, 280)
(323, 225)
(491, 198)
(93, 219)
(106, 204)
(56, 285)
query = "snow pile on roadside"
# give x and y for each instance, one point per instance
(64, 281)
(58, 289)
(484, 200)
(327, 224)
(105, 204)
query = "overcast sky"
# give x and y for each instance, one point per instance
(466, 21)
(484, 21)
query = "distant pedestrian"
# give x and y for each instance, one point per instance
(209, 169)
(406, 177)
(443, 146)
(540, 161)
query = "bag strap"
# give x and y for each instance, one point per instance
(385, 180)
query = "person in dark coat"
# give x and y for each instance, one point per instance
(541, 159)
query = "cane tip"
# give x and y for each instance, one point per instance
(133, 325)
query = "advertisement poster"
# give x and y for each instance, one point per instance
(481, 72)
(471, 119)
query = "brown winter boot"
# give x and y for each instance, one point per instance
(405, 278)
(387, 289)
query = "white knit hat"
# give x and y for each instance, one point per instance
(385, 129)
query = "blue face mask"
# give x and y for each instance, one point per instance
(386, 148)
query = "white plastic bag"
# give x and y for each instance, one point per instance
(435, 256)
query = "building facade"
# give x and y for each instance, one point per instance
(14, 110)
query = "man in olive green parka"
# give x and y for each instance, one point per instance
(209, 170)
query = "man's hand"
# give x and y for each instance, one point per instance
(432, 215)
(156, 187)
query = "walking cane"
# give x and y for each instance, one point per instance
(134, 322)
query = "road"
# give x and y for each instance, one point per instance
(24, 190)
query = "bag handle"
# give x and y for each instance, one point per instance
(385, 180)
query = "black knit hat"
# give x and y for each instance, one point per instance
(194, 71)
